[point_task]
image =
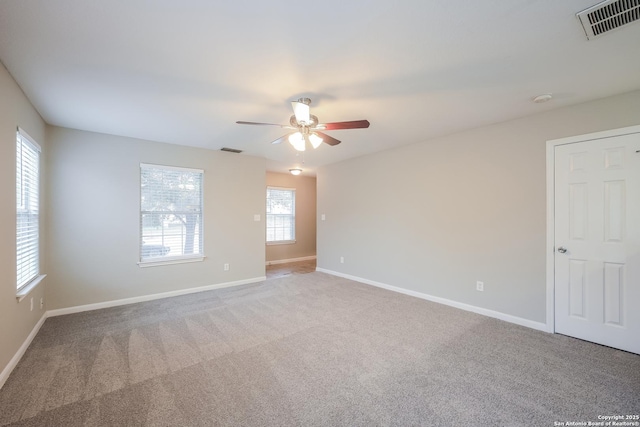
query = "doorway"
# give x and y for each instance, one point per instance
(290, 224)
(593, 230)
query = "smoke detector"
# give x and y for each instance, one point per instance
(608, 15)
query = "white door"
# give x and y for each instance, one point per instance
(597, 241)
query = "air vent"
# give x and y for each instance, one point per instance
(231, 150)
(608, 15)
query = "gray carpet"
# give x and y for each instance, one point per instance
(309, 350)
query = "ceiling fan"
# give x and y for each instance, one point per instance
(306, 128)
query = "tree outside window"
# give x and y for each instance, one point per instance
(170, 212)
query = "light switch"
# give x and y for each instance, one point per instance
(322, 217)
(256, 217)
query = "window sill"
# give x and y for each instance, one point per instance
(26, 289)
(155, 263)
(281, 242)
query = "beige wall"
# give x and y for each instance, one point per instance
(16, 319)
(305, 244)
(93, 217)
(434, 217)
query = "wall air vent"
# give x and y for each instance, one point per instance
(231, 150)
(608, 15)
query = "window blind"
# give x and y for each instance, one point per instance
(170, 212)
(281, 218)
(27, 209)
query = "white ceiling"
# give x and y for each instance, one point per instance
(184, 71)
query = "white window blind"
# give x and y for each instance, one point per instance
(281, 214)
(27, 209)
(170, 212)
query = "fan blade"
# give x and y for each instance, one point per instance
(328, 139)
(265, 124)
(281, 139)
(301, 111)
(355, 124)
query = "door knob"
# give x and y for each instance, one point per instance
(562, 249)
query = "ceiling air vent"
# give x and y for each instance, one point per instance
(608, 15)
(231, 150)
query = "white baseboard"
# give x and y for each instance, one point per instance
(77, 309)
(16, 357)
(479, 310)
(142, 298)
(285, 261)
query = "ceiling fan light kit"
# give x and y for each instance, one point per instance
(301, 110)
(297, 141)
(315, 140)
(306, 127)
(295, 171)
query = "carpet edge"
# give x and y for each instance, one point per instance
(286, 261)
(6, 372)
(150, 297)
(467, 307)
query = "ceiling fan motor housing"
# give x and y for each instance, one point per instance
(313, 121)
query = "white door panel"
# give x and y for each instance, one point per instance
(597, 221)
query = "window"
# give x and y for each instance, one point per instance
(27, 209)
(281, 215)
(170, 214)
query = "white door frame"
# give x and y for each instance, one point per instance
(551, 145)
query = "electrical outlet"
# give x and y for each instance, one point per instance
(256, 217)
(226, 267)
(341, 260)
(479, 286)
(31, 303)
(41, 303)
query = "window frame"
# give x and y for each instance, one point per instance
(177, 259)
(26, 285)
(292, 215)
